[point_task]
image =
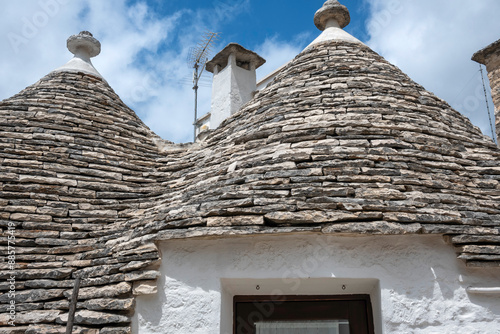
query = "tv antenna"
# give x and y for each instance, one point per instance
(198, 57)
(493, 134)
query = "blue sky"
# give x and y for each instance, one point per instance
(251, 22)
(145, 44)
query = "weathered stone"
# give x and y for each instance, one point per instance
(477, 249)
(33, 234)
(235, 221)
(116, 330)
(74, 235)
(322, 191)
(483, 264)
(45, 283)
(5, 308)
(218, 205)
(44, 265)
(30, 296)
(479, 257)
(30, 274)
(101, 292)
(310, 217)
(14, 330)
(109, 304)
(380, 193)
(51, 211)
(474, 239)
(57, 305)
(373, 228)
(93, 213)
(47, 180)
(70, 249)
(86, 317)
(20, 209)
(404, 217)
(98, 270)
(46, 329)
(78, 263)
(30, 317)
(137, 265)
(30, 217)
(94, 254)
(46, 226)
(142, 275)
(458, 229)
(53, 242)
(144, 288)
(148, 248)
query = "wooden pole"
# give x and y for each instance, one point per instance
(72, 306)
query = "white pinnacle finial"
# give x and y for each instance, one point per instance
(84, 46)
(331, 19)
(332, 10)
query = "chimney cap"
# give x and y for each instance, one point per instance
(241, 54)
(332, 9)
(482, 55)
(84, 41)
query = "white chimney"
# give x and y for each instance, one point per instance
(234, 81)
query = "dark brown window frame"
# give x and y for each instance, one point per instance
(357, 309)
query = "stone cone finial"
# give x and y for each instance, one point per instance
(331, 19)
(84, 46)
(85, 43)
(332, 9)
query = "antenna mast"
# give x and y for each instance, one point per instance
(198, 57)
(493, 134)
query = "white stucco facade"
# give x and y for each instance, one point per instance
(416, 283)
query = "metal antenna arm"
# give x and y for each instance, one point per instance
(198, 58)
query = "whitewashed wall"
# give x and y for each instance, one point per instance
(416, 283)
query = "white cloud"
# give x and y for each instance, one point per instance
(433, 41)
(277, 52)
(30, 32)
(143, 55)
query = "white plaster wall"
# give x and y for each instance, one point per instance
(246, 85)
(220, 108)
(417, 284)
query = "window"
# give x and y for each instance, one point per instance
(344, 314)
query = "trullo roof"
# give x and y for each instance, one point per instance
(340, 142)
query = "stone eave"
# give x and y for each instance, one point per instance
(482, 55)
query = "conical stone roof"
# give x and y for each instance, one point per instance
(340, 142)
(75, 164)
